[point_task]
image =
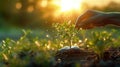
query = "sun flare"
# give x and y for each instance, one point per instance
(67, 5)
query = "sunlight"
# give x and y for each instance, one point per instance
(44, 3)
(67, 5)
(62, 7)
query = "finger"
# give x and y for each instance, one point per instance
(86, 16)
(93, 22)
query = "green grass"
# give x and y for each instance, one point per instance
(31, 50)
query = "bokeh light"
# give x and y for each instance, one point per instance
(18, 5)
(30, 9)
(44, 3)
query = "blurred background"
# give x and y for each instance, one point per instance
(40, 14)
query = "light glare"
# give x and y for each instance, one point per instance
(67, 5)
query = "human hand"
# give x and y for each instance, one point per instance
(91, 19)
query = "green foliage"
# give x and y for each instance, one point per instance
(26, 52)
(66, 33)
(33, 51)
(102, 39)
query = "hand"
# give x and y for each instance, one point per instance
(91, 19)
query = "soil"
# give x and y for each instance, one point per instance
(75, 57)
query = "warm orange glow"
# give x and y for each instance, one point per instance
(63, 7)
(31, 1)
(44, 3)
(67, 5)
(18, 5)
(30, 9)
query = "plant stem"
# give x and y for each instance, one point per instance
(70, 43)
